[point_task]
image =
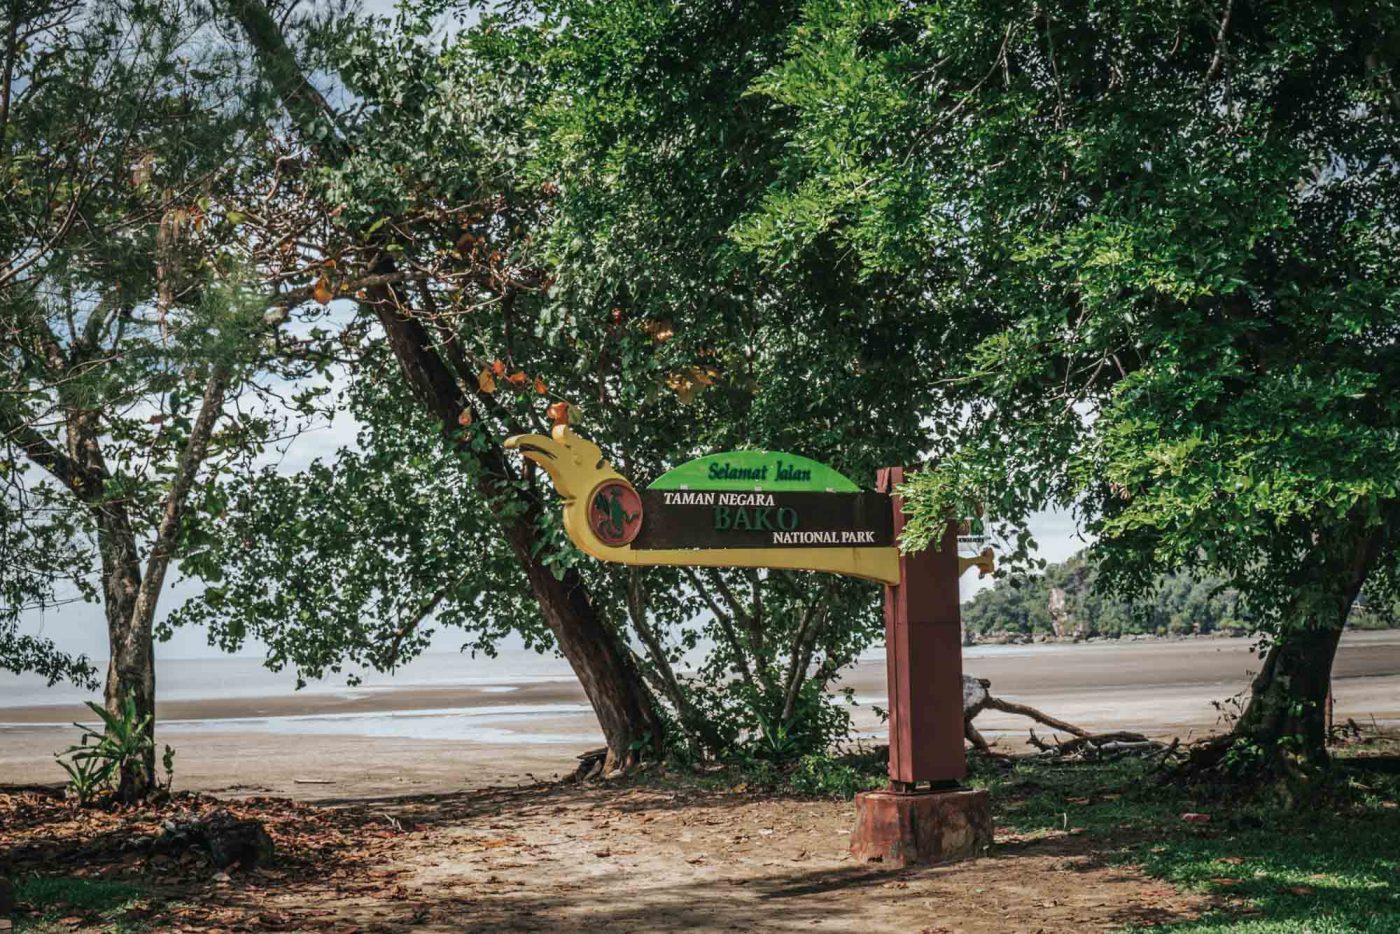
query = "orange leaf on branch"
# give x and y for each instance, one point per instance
(485, 381)
(683, 386)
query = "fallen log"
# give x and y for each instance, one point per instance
(978, 696)
(1026, 710)
(1100, 740)
(1103, 747)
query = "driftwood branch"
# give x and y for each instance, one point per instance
(977, 697)
(1040, 716)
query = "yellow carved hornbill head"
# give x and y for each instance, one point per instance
(575, 464)
(578, 468)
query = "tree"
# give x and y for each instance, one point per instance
(426, 211)
(1066, 600)
(1157, 246)
(658, 148)
(124, 328)
(553, 192)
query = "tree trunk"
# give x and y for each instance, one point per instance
(1286, 715)
(131, 673)
(1283, 727)
(615, 689)
(132, 597)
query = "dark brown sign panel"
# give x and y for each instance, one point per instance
(723, 519)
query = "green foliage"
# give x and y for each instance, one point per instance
(561, 183)
(1106, 258)
(96, 764)
(829, 776)
(89, 772)
(1154, 255)
(1067, 601)
(122, 133)
(360, 560)
(814, 724)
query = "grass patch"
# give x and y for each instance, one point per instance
(96, 901)
(1331, 868)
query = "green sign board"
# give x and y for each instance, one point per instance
(755, 471)
(742, 509)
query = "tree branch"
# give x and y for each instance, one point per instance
(39, 450)
(196, 446)
(315, 119)
(1221, 43)
(725, 625)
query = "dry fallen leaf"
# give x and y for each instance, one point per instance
(660, 331)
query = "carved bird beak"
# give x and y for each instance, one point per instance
(538, 448)
(575, 464)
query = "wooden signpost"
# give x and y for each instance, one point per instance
(760, 509)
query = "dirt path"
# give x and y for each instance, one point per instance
(586, 858)
(579, 858)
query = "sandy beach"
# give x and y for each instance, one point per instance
(389, 739)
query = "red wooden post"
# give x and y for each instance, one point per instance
(923, 653)
(923, 657)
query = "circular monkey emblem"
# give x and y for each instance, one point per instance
(615, 512)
